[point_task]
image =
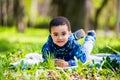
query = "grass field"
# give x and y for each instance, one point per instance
(14, 45)
(33, 39)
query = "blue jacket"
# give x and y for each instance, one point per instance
(67, 52)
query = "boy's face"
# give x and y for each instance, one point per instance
(60, 34)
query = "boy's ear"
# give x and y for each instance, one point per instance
(69, 32)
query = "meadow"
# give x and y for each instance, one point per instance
(15, 45)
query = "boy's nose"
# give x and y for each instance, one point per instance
(59, 37)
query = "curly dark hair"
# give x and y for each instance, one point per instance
(59, 21)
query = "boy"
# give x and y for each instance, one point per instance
(63, 46)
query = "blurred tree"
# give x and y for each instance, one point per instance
(79, 12)
(3, 11)
(118, 18)
(6, 12)
(74, 10)
(12, 11)
(34, 12)
(19, 15)
(1, 19)
(88, 20)
(10, 18)
(110, 17)
(98, 11)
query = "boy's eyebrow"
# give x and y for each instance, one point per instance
(61, 32)
(55, 33)
(64, 32)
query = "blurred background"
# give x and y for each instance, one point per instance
(30, 18)
(87, 14)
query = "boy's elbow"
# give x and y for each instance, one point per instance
(83, 58)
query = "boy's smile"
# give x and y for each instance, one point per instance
(60, 34)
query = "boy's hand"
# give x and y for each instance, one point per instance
(61, 63)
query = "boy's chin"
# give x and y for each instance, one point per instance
(61, 45)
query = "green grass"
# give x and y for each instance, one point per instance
(31, 39)
(15, 45)
(102, 43)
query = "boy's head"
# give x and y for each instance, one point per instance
(59, 21)
(60, 30)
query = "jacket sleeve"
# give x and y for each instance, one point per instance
(45, 51)
(80, 54)
(72, 63)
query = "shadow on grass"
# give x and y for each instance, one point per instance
(4, 45)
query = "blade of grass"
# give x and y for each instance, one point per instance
(114, 51)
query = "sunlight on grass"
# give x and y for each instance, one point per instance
(14, 46)
(102, 43)
(33, 37)
(30, 35)
(31, 40)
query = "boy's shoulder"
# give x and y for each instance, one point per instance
(47, 43)
(74, 42)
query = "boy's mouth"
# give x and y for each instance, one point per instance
(60, 41)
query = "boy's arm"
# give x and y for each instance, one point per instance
(45, 51)
(72, 62)
(80, 54)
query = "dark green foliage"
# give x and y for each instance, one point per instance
(4, 45)
(111, 64)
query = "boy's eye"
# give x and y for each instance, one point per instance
(63, 33)
(55, 34)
